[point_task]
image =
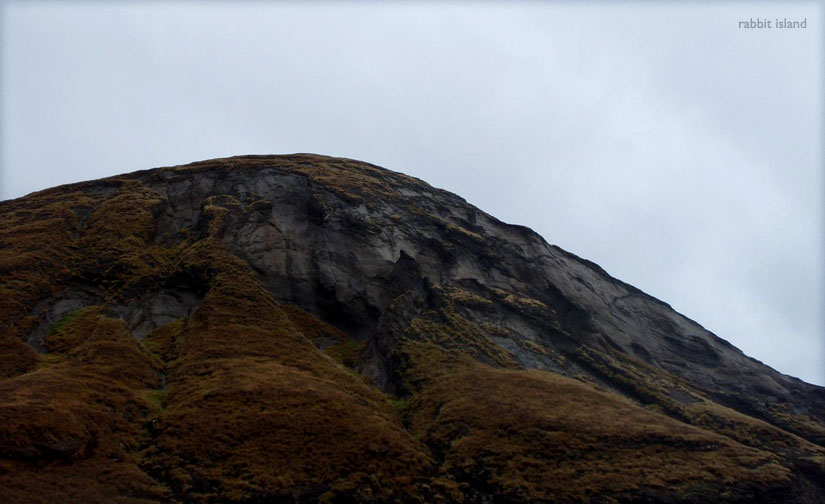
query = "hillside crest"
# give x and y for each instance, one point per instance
(303, 328)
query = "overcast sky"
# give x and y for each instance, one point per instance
(681, 153)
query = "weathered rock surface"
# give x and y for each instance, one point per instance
(329, 298)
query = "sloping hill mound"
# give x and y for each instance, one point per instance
(312, 329)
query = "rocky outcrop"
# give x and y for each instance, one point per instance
(416, 317)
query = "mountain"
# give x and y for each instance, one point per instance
(312, 329)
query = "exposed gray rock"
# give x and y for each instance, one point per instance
(340, 256)
(417, 284)
(155, 310)
(51, 310)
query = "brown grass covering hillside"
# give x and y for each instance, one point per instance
(250, 408)
(533, 436)
(70, 428)
(247, 400)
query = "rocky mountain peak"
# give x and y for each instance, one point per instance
(304, 328)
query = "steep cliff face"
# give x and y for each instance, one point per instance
(303, 328)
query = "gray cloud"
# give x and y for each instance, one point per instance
(679, 152)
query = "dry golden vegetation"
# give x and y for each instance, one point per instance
(248, 408)
(654, 388)
(282, 419)
(533, 436)
(71, 426)
(249, 400)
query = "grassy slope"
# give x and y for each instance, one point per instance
(533, 436)
(250, 408)
(235, 403)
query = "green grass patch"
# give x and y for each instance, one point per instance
(158, 342)
(400, 405)
(151, 346)
(347, 353)
(157, 399)
(64, 321)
